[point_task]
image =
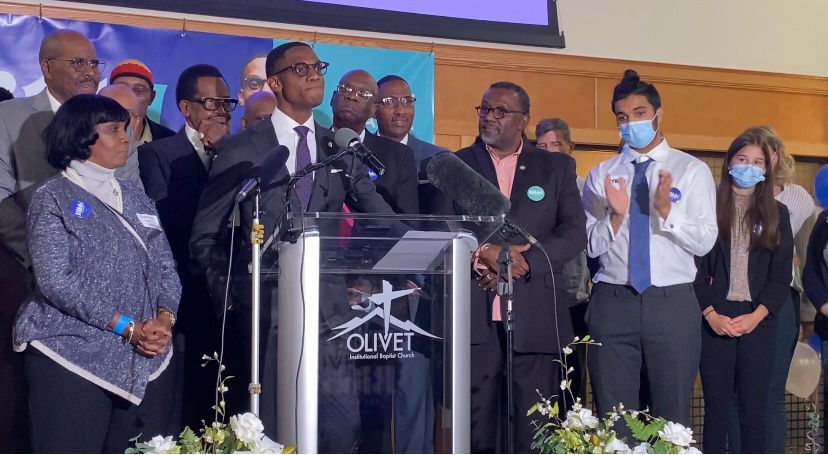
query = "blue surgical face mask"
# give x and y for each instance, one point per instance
(746, 175)
(637, 134)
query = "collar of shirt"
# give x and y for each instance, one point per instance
(192, 136)
(146, 136)
(496, 158)
(403, 141)
(53, 102)
(658, 154)
(286, 135)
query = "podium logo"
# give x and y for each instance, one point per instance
(386, 344)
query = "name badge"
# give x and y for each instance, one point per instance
(149, 221)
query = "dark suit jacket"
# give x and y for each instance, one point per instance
(815, 272)
(235, 156)
(158, 130)
(769, 271)
(422, 151)
(174, 177)
(559, 223)
(398, 186)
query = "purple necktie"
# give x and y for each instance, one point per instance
(303, 160)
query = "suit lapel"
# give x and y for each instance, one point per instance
(484, 164)
(40, 103)
(520, 184)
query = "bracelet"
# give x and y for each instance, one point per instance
(121, 324)
(169, 314)
(131, 330)
(704, 315)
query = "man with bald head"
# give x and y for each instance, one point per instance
(124, 96)
(259, 106)
(70, 67)
(353, 103)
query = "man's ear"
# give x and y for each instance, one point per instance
(275, 85)
(184, 107)
(46, 69)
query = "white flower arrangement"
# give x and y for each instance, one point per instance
(244, 434)
(582, 432)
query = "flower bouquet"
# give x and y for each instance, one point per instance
(243, 434)
(582, 432)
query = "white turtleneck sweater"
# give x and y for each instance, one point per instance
(98, 180)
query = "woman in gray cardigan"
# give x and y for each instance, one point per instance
(96, 331)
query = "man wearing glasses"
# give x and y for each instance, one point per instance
(253, 79)
(138, 77)
(354, 102)
(70, 66)
(174, 171)
(544, 201)
(295, 75)
(395, 116)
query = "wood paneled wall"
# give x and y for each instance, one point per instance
(704, 107)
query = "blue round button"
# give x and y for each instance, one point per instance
(535, 193)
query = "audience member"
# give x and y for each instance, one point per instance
(174, 171)
(353, 104)
(545, 201)
(124, 96)
(137, 76)
(742, 285)
(259, 107)
(96, 332)
(650, 210)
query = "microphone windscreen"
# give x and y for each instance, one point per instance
(344, 137)
(467, 187)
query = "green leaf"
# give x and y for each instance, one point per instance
(586, 338)
(662, 446)
(555, 409)
(532, 409)
(637, 427)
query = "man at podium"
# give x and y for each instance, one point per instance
(295, 75)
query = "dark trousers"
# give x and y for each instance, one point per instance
(787, 335)
(655, 333)
(532, 372)
(742, 364)
(72, 415)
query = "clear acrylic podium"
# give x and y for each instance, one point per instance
(374, 331)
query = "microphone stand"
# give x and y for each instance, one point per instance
(256, 240)
(505, 290)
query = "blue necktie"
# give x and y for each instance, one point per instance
(640, 228)
(303, 160)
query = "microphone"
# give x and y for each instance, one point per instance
(264, 172)
(473, 192)
(346, 138)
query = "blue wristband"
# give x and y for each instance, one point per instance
(123, 322)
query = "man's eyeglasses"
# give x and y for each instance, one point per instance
(390, 101)
(212, 104)
(254, 83)
(79, 64)
(498, 112)
(362, 95)
(302, 69)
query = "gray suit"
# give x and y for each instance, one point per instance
(23, 165)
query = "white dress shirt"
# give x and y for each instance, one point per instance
(193, 137)
(53, 102)
(690, 228)
(287, 136)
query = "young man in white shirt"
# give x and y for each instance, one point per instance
(649, 210)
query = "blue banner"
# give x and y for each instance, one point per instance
(168, 52)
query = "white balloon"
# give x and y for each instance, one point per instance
(803, 377)
(8, 81)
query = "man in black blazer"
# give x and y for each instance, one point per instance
(174, 172)
(353, 103)
(294, 73)
(545, 201)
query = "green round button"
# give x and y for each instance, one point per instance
(535, 193)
